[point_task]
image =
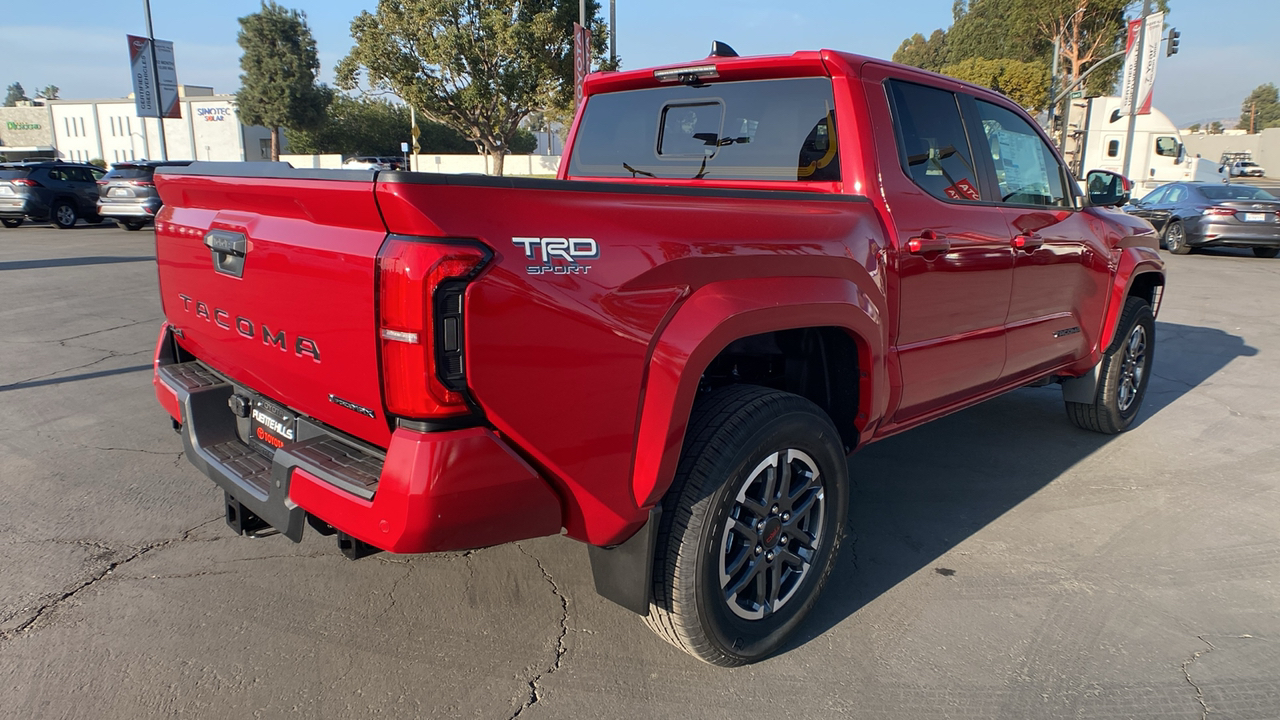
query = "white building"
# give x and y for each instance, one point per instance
(209, 129)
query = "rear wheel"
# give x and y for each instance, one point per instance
(11, 222)
(751, 525)
(134, 225)
(1175, 238)
(63, 214)
(1266, 252)
(1124, 375)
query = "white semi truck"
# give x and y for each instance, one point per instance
(1096, 139)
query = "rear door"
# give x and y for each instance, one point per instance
(1062, 268)
(954, 259)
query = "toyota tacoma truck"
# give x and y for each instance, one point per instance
(747, 269)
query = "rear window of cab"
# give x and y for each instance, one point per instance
(781, 130)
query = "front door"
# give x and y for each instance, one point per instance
(1061, 275)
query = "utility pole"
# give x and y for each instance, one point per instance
(155, 79)
(1137, 88)
(613, 34)
(1053, 91)
(582, 13)
(1253, 117)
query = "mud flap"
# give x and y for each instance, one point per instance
(624, 573)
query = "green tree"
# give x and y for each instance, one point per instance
(278, 86)
(1215, 128)
(1261, 109)
(15, 95)
(478, 66)
(1195, 128)
(1026, 83)
(49, 92)
(928, 54)
(365, 126)
(1024, 30)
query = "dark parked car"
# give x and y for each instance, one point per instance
(52, 190)
(1195, 215)
(127, 194)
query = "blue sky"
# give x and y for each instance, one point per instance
(1228, 47)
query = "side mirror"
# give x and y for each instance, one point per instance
(1182, 153)
(1107, 189)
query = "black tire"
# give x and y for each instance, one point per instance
(707, 532)
(133, 225)
(1124, 375)
(1175, 238)
(1266, 252)
(11, 222)
(63, 215)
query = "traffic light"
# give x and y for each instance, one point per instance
(1173, 43)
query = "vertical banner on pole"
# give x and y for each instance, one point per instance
(1140, 72)
(581, 59)
(167, 80)
(144, 77)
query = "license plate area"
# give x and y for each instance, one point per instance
(119, 192)
(1255, 217)
(271, 426)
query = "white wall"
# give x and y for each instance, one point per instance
(511, 165)
(313, 161)
(209, 129)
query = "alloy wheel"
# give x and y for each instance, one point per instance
(1133, 368)
(771, 535)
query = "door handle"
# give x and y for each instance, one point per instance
(928, 242)
(1028, 241)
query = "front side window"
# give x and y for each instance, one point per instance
(1155, 196)
(1027, 171)
(780, 130)
(1177, 194)
(932, 143)
(1167, 146)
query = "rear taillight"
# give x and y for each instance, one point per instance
(144, 183)
(421, 283)
(1220, 211)
(27, 182)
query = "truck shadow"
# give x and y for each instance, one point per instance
(917, 495)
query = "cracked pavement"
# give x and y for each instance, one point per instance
(1007, 564)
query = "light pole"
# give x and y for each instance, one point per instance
(155, 78)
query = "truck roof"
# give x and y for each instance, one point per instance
(803, 63)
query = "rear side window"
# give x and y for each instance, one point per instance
(932, 143)
(131, 173)
(755, 130)
(6, 174)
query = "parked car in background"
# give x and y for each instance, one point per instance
(1247, 168)
(53, 190)
(127, 193)
(1194, 215)
(370, 162)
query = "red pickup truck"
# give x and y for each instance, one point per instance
(747, 269)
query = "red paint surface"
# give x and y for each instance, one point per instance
(589, 377)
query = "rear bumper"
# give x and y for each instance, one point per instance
(23, 207)
(128, 210)
(1235, 234)
(430, 492)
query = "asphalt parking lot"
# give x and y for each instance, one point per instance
(1002, 563)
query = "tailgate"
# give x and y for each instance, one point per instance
(268, 272)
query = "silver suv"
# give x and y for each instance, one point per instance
(127, 194)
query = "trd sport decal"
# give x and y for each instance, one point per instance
(559, 256)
